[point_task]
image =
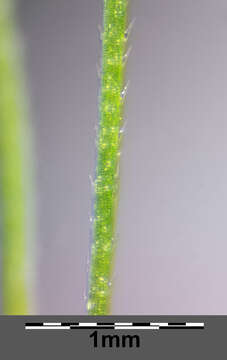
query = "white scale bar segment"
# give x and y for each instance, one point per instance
(51, 324)
(136, 327)
(194, 324)
(123, 324)
(47, 327)
(158, 324)
(88, 324)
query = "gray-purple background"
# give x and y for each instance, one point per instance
(171, 256)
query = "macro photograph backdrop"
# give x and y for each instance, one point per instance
(171, 226)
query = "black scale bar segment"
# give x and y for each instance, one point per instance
(181, 327)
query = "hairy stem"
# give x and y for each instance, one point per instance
(108, 152)
(14, 182)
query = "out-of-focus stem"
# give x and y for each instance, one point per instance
(14, 179)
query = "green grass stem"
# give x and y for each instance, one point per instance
(108, 154)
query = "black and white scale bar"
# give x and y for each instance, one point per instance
(113, 326)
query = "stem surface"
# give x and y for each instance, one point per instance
(108, 153)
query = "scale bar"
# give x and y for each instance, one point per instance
(114, 326)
